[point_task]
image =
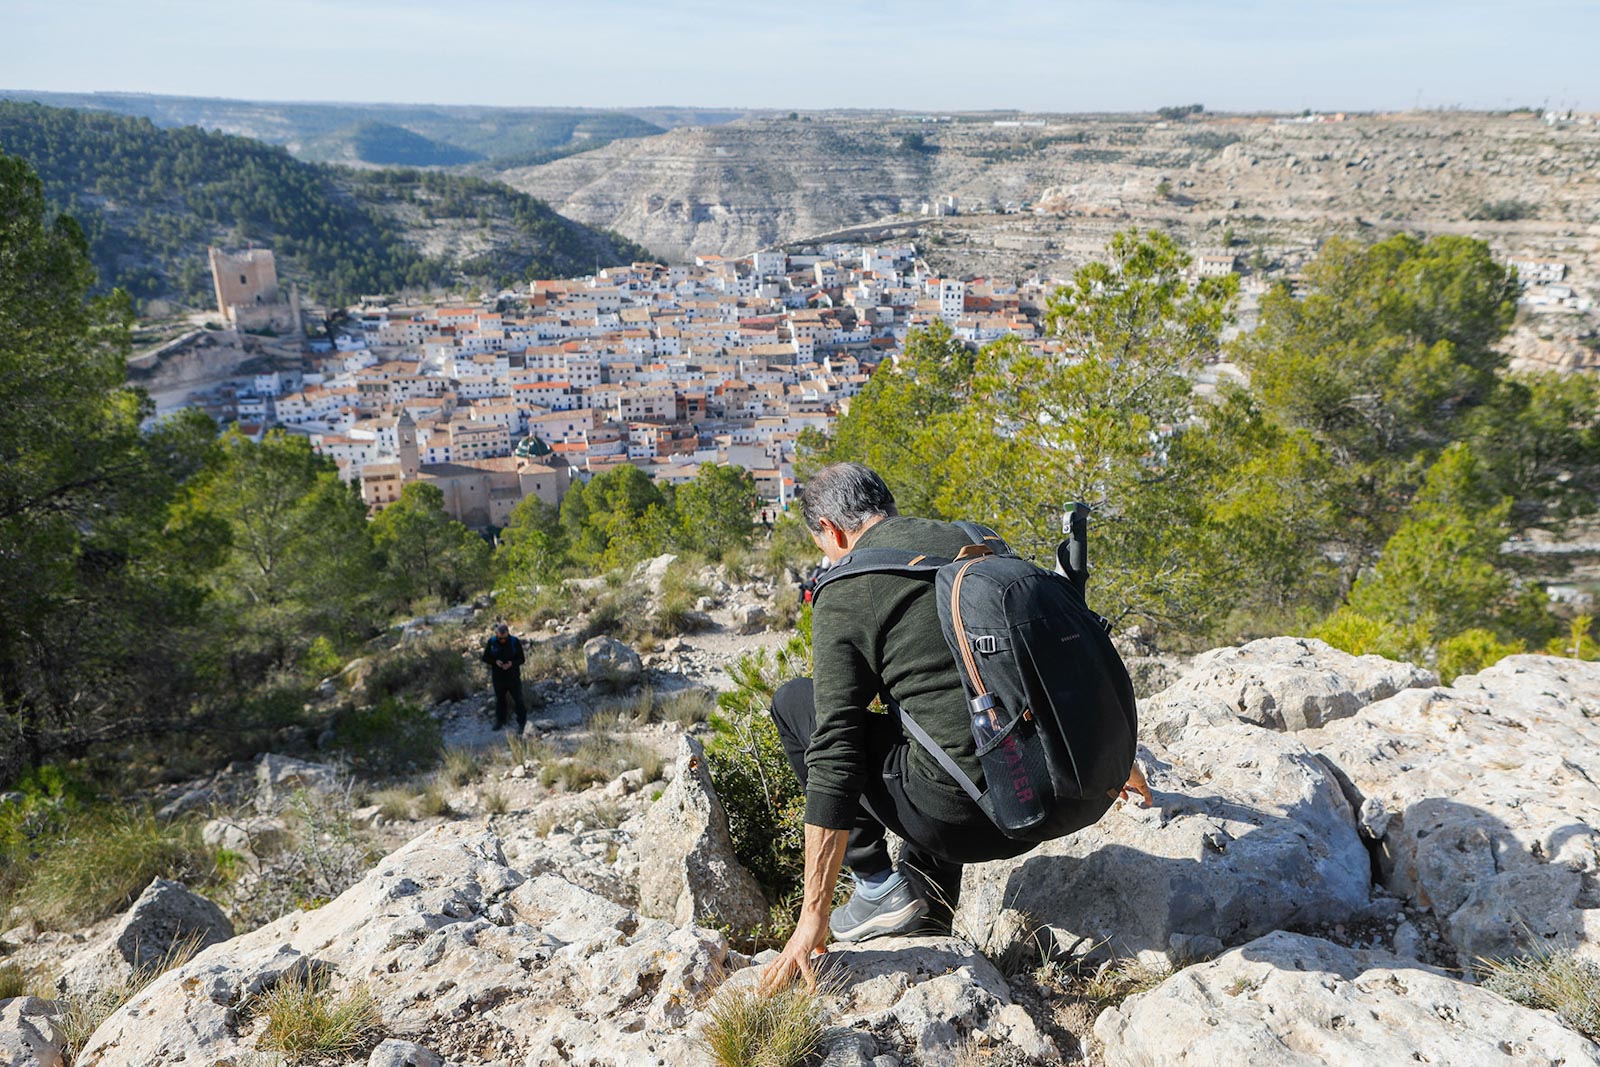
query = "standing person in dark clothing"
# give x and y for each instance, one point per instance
(503, 653)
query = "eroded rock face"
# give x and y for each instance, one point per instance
(687, 869)
(166, 917)
(1282, 683)
(28, 1034)
(1489, 801)
(478, 963)
(1286, 1000)
(1250, 833)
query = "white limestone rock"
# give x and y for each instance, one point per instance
(1492, 790)
(610, 661)
(256, 836)
(1250, 833)
(1282, 683)
(29, 1036)
(280, 777)
(1287, 1000)
(687, 869)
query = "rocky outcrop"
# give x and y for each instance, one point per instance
(687, 869)
(1286, 1000)
(1282, 683)
(1250, 833)
(477, 962)
(1483, 801)
(167, 918)
(29, 1036)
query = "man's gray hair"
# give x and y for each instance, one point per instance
(848, 495)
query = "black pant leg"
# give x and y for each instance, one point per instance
(794, 712)
(517, 701)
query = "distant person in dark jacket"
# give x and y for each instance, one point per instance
(503, 653)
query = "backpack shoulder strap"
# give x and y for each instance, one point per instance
(980, 534)
(942, 758)
(879, 561)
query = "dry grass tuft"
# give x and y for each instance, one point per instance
(1557, 981)
(304, 1018)
(747, 1029)
(461, 767)
(495, 801)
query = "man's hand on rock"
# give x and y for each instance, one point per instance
(809, 938)
(1135, 784)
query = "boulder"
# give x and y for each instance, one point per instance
(687, 869)
(280, 777)
(653, 571)
(749, 618)
(260, 835)
(608, 660)
(166, 918)
(395, 1053)
(1282, 683)
(1250, 832)
(29, 1036)
(1287, 1000)
(1485, 802)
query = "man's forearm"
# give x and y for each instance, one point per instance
(824, 856)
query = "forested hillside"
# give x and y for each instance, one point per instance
(150, 200)
(433, 135)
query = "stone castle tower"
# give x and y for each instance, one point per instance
(246, 285)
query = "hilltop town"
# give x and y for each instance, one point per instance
(725, 361)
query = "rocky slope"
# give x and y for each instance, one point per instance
(1336, 844)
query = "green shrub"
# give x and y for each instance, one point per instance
(304, 1018)
(745, 1028)
(619, 613)
(686, 707)
(1361, 635)
(758, 789)
(675, 613)
(14, 981)
(603, 755)
(1503, 211)
(321, 659)
(1555, 981)
(1471, 651)
(390, 737)
(431, 670)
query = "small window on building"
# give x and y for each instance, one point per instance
(243, 280)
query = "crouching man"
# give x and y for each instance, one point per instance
(878, 635)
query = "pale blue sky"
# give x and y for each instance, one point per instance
(1048, 55)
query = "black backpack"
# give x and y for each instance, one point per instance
(1051, 704)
